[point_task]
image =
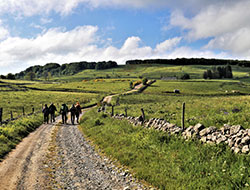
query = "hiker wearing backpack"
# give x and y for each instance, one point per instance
(52, 110)
(64, 110)
(46, 114)
(73, 111)
(78, 111)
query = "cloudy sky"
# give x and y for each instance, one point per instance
(36, 32)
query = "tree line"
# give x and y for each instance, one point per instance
(218, 73)
(191, 61)
(55, 69)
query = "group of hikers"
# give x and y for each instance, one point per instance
(75, 112)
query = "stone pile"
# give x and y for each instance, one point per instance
(237, 138)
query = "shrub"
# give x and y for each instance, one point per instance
(185, 76)
(97, 122)
(131, 84)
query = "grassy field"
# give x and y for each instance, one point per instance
(18, 94)
(96, 86)
(206, 102)
(151, 71)
(167, 162)
(163, 161)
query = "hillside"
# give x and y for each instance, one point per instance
(54, 69)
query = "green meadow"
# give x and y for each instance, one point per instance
(150, 71)
(166, 162)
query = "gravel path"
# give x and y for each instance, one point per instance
(77, 165)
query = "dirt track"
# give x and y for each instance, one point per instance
(22, 169)
(73, 163)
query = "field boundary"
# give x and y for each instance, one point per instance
(235, 136)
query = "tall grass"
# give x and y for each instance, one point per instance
(12, 133)
(167, 162)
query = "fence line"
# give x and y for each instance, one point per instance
(12, 118)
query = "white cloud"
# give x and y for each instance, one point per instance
(167, 45)
(46, 20)
(33, 7)
(81, 44)
(65, 7)
(214, 20)
(55, 41)
(237, 42)
(4, 33)
(227, 24)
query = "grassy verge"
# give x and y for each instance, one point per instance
(167, 162)
(14, 132)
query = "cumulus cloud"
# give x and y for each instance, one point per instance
(33, 7)
(4, 33)
(167, 45)
(226, 24)
(81, 44)
(64, 7)
(237, 42)
(214, 20)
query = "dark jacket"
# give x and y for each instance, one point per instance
(46, 111)
(73, 110)
(52, 109)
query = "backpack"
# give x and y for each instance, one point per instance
(64, 109)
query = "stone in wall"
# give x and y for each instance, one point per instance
(234, 136)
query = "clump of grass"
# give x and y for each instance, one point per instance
(168, 162)
(97, 122)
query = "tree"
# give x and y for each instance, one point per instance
(205, 75)
(30, 75)
(49, 75)
(229, 73)
(45, 75)
(2, 77)
(10, 76)
(209, 74)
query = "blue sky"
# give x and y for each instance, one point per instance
(37, 32)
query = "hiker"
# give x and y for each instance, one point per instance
(73, 111)
(78, 111)
(64, 111)
(46, 114)
(52, 110)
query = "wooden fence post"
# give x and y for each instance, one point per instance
(105, 108)
(183, 116)
(126, 114)
(112, 114)
(23, 112)
(11, 115)
(143, 115)
(1, 115)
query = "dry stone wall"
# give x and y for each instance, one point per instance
(235, 136)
